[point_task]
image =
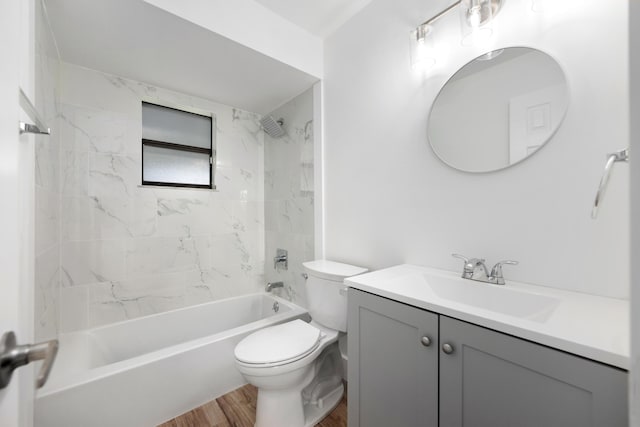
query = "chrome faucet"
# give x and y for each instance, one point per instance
(475, 269)
(281, 258)
(273, 285)
(496, 272)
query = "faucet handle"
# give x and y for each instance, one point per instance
(470, 266)
(462, 257)
(282, 257)
(470, 263)
(496, 271)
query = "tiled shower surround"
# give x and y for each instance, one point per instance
(47, 185)
(108, 249)
(129, 251)
(289, 194)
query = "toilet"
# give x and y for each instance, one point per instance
(297, 366)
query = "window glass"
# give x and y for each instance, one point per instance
(165, 165)
(177, 147)
(175, 126)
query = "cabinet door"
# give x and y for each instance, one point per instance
(393, 375)
(493, 380)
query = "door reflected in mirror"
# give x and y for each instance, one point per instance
(498, 109)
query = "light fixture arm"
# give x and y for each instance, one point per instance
(421, 30)
(435, 18)
(475, 21)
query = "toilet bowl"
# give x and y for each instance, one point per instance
(297, 366)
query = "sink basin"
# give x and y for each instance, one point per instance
(497, 298)
(591, 326)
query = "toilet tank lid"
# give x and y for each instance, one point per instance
(332, 270)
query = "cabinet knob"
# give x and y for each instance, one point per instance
(426, 341)
(447, 348)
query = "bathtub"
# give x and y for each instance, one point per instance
(145, 371)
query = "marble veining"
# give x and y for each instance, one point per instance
(130, 251)
(47, 285)
(47, 184)
(109, 249)
(289, 195)
(112, 175)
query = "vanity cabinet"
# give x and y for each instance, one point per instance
(467, 375)
(393, 363)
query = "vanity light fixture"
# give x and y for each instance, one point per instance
(476, 20)
(422, 48)
(475, 24)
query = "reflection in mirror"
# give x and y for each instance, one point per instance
(498, 109)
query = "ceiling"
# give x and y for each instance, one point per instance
(319, 17)
(133, 39)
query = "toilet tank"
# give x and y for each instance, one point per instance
(326, 292)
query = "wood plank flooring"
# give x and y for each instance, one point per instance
(238, 409)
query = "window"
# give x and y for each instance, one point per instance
(177, 147)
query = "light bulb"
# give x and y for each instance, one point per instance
(475, 18)
(422, 50)
(475, 21)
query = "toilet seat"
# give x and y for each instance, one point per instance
(278, 345)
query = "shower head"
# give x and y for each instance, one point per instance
(272, 127)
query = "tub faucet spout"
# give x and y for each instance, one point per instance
(273, 285)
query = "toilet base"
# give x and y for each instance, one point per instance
(288, 411)
(314, 413)
(302, 397)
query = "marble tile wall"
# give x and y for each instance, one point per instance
(47, 184)
(289, 195)
(128, 251)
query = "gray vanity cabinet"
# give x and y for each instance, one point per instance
(493, 379)
(393, 379)
(468, 376)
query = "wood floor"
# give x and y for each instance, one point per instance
(238, 409)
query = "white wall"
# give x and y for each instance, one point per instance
(389, 200)
(17, 28)
(254, 26)
(634, 49)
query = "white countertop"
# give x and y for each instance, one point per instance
(586, 325)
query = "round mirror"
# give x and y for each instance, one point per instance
(498, 110)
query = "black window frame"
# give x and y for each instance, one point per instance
(188, 148)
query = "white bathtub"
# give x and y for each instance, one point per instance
(145, 371)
